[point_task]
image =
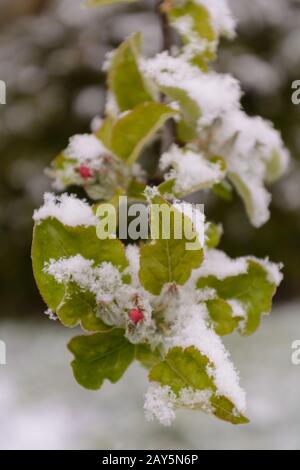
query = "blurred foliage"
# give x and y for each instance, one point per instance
(51, 58)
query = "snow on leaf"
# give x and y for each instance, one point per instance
(167, 259)
(254, 154)
(79, 307)
(190, 170)
(247, 294)
(187, 369)
(52, 241)
(202, 97)
(200, 24)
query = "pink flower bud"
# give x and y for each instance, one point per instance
(85, 172)
(136, 315)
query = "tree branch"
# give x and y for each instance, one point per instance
(169, 135)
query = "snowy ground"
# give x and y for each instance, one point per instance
(43, 408)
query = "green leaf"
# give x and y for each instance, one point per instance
(124, 78)
(254, 196)
(136, 190)
(134, 130)
(221, 314)
(182, 369)
(199, 17)
(167, 259)
(275, 166)
(190, 111)
(223, 190)
(225, 410)
(167, 187)
(100, 356)
(53, 240)
(213, 234)
(79, 307)
(147, 357)
(105, 132)
(252, 289)
(187, 368)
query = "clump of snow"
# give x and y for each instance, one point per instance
(159, 404)
(217, 263)
(190, 329)
(222, 19)
(85, 147)
(238, 309)
(247, 135)
(133, 256)
(150, 192)
(68, 209)
(190, 169)
(274, 274)
(222, 23)
(189, 398)
(254, 153)
(51, 315)
(114, 298)
(207, 293)
(214, 93)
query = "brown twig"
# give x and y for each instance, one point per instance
(169, 135)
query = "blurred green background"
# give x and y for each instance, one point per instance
(51, 54)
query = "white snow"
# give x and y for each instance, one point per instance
(133, 256)
(68, 209)
(191, 170)
(238, 309)
(217, 263)
(85, 147)
(254, 153)
(222, 19)
(274, 274)
(113, 297)
(159, 404)
(251, 135)
(190, 329)
(214, 93)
